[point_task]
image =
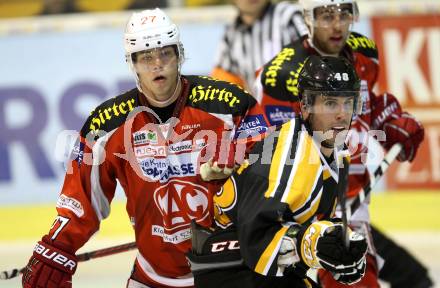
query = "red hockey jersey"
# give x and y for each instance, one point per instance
(157, 166)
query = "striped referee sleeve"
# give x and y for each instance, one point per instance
(244, 49)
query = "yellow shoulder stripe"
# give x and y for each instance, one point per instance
(270, 252)
(306, 167)
(279, 157)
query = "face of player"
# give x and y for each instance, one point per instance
(330, 119)
(251, 7)
(157, 70)
(332, 27)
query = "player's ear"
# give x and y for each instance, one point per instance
(304, 110)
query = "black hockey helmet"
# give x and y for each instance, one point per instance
(329, 76)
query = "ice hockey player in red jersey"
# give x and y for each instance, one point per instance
(151, 140)
(274, 217)
(329, 24)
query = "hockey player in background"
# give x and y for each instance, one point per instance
(328, 23)
(281, 207)
(259, 31)
(151, 140)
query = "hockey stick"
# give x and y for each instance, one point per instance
(5, 275)
(376, 175)
(342, 197)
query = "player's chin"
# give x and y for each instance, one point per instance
(334, 47)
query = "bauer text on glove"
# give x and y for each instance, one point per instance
(49, 266)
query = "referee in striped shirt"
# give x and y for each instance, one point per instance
(258, 33)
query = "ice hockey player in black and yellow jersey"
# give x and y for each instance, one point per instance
(274, 216)
(329, 24)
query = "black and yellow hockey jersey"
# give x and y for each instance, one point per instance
(291, 182)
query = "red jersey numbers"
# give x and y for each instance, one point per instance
(148, 19)
(179, 202)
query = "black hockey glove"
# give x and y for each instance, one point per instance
(322, 246)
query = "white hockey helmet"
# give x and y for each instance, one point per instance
(150, 29)
(310, 5)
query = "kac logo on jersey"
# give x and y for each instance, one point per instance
(179, 202)
(279, 114)
(251, 126)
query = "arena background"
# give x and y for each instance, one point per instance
(55, 68)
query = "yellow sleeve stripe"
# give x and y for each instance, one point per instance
(279, 157)
(306, 168)
(308, 213)
(270, 252)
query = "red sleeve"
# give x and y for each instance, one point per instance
(87, 191)
(367, 69)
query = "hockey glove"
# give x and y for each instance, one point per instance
(221, 165)
(322, 246)
(49, 266)
(407, 131)
(385, 107)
